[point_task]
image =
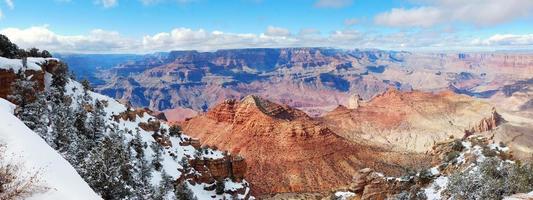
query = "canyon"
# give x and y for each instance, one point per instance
(307, 120)
(288, 151)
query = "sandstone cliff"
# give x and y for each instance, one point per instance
(288, 151)
(412, 121)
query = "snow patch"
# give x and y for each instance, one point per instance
(55, 172)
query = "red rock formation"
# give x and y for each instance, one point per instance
(286, 150)
(219, 169)
(7, 77)
(411, 121)
(486, 124)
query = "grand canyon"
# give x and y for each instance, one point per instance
(266, 100)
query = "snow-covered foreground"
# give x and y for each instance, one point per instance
(26, 147)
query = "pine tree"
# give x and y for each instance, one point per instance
(157, 157)
(109, 171)
(7, 49)
(23, 90)
(35, 116)
(97, 126)
(142, 169)
(183, 192)
(165, 186)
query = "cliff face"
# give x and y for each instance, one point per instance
(412, 121)
(286, 150)
(486, 124)
(314, 80)
(7, 77)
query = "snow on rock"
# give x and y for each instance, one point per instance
(55, 172)
(434, 190)
(344, 195)
(201, 193)
(170, 155)
(527, 196)
(16, 64)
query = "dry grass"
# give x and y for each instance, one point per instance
(15, 181)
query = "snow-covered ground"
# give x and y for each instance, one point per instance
(25, 146)
(16, 64)
(171, 156)
(60, 176)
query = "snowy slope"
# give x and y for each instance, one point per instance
(169, 163)
(55, 172)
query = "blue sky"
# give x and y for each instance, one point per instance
(140, 26)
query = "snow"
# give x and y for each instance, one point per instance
(434, 171)
(16, 64)
(433, 191)
(520, 196)
(54, 171)
(201, 193)
(497, 147)
(344, 195)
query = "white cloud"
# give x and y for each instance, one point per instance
(506, 40)
(95, 41)
(333, 3)
(478, 12)
(10, 4)
(102, 41)
(400, 17)
(277, 31)
(107, 3)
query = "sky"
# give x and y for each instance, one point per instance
(145, 26)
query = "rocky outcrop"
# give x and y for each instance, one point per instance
(411, 121)
(486, 124)
(371, 185)
(218, 169)
(354, 101)
(286, 150)
(7, 77)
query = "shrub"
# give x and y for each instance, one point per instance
(15, 183)
(492, 179)
(457, 145)
(452, 155)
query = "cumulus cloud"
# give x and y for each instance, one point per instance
(400, 17)
(506, 40)
(10, 4)
(478, 12)
(95, 41)
(103, 41)
(333, 3)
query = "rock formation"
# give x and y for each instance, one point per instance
(286, 150)
(354, 101)
(411, 121)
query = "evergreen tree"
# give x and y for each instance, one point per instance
(97, 126)
(157, 157)
(165, 186)
(219, 187)
(7, 49)
(142, 169)
(60, 78)
(23, 90)
(174, 131)
(35, 116)
(109, 171)
(183, 192)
